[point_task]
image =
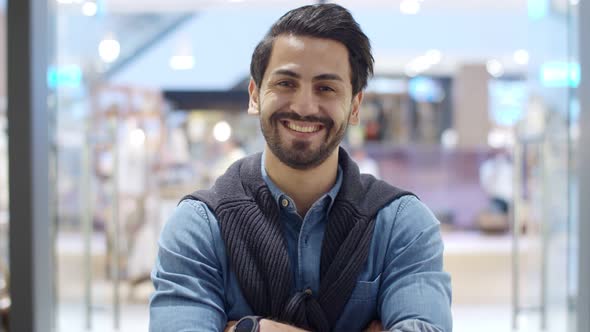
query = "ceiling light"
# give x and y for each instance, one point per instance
(89, 8)
(418, 65)
(182, 58)
(574, 2)
(409, 7)
(109, 50)
(222, 131)
(521, 57)
(434, 56)
(495, 68)
(411, 72)
(421, 63)
(182, 62)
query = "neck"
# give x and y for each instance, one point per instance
(303, 186)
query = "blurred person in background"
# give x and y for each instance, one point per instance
(495, 176)
(294, 238)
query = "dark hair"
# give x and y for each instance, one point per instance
(328, 21)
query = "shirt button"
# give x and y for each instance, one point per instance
(285, 202)
(308, 291)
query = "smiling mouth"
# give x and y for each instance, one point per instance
(302, 128)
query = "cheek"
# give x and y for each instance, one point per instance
(343, 111)
(272, 102)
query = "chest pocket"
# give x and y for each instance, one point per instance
(361, 307)
(366, 291)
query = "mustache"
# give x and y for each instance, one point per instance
(278, 116)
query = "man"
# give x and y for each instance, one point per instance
(295, 238)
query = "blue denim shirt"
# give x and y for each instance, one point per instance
(402, 284)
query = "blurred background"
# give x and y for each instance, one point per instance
(474, 106)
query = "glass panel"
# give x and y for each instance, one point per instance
(107, 140)
(572, 247)
(131, 143)
(125, 156)
(547, 138)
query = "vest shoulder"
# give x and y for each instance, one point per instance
(206, 197)
(372, 185)
(241, 181)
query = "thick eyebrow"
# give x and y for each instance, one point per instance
(286, 72)
(328, 77)
(322, 77)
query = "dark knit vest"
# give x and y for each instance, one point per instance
(251, 229)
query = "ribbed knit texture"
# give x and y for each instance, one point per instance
(252, 232)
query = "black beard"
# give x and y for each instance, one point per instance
(298, 155)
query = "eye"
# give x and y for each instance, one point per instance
(325, 88)
(286, 84)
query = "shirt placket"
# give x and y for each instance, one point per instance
(293, 230)
(308, 250)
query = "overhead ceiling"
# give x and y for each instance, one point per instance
(222, 42)
(426, 5)
(225, 31)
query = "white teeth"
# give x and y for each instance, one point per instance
(301, 129)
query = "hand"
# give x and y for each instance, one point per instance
(375, 326)
(230, 326)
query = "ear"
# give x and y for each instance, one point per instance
(356, 104)
(253, 104)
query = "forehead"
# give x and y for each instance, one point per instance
(309, 56)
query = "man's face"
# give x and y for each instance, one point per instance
(305, 99)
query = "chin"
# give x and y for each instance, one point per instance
(302, 163)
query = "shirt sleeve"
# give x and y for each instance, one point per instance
(187, 276)
(415, 294)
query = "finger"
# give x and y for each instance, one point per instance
(376, 326)
(230, 326)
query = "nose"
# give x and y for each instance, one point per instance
(304, 102)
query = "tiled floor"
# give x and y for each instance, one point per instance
(72, 318)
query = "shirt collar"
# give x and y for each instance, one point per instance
(278, 193)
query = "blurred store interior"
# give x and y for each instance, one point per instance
(473, 107)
